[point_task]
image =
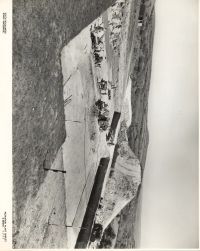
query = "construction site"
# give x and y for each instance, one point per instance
(88, 187)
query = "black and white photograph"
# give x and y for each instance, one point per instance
(104, 124)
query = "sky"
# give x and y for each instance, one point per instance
(169, 213)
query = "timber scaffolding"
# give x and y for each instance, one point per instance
(88, 221)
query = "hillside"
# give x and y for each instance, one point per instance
(40, 30)
(138, 136)
(120, 231)
(78, 103)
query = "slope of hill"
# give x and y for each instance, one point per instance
(40, 30)
(121, 58)
(138, 132)
(136, 52)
